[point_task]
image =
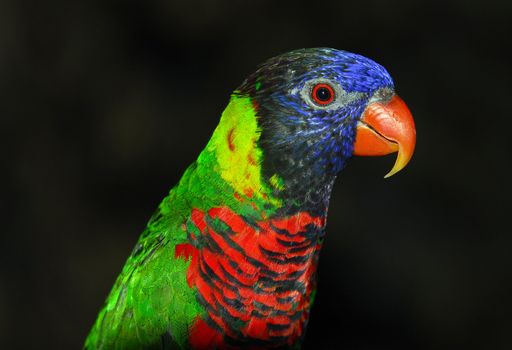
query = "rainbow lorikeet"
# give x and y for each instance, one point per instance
(229, 259)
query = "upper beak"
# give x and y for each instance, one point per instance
(384, 128)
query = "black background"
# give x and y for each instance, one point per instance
(103, 104)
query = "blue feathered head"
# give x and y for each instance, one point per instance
(310, 103)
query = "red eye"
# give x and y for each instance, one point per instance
(322, 94)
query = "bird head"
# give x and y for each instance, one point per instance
(314, 109)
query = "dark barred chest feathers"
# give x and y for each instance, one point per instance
(254, 278)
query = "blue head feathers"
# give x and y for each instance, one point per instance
(309, 102)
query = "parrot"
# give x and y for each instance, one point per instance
(229, 259)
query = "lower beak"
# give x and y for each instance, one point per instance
(384, 128)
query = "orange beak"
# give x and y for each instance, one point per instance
(384, 128)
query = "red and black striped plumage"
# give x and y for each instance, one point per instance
(255, 279)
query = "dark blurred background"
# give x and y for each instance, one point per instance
(103, 104)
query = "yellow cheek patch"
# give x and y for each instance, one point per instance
(234, 144)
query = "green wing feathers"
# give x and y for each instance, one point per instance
(151, 296)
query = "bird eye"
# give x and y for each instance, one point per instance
(322, 94)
